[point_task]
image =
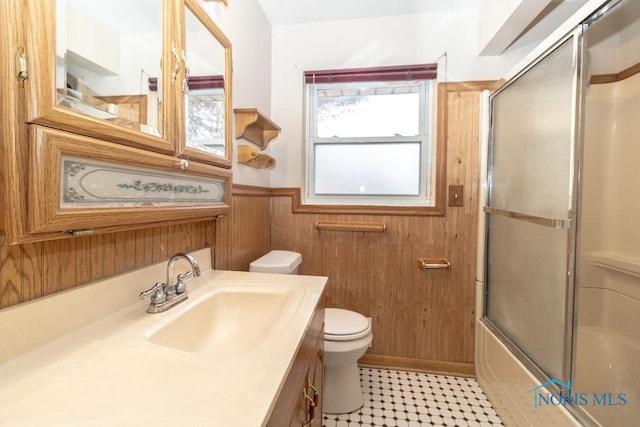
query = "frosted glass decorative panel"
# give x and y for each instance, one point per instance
(532, 147)
(368, 169)
(93, 183)
(526, 283)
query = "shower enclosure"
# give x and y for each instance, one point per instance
(562, 240)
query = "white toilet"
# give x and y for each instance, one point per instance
(347, 336)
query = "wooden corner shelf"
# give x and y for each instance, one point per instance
(251, 157)
(254, 126)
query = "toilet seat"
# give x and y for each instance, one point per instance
(345, 325)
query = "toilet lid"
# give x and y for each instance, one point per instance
(276, 261)
(340, 322)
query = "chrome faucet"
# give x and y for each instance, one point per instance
(165, 295)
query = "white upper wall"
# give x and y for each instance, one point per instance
(395, 40)
(249, 31)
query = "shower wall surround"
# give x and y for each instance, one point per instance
(608, 280)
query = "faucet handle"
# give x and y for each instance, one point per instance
(156, 292)
(181, 287)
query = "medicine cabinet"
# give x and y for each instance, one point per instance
(119, 84)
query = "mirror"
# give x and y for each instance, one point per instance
(207, 103)
(109, 65)
(105, 54)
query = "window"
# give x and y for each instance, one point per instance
(368, 136)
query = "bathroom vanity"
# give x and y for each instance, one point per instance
(245, 349)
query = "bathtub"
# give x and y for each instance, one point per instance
(508, 385)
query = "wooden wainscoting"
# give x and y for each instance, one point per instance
(245, 234)
(33, 270)
(417, 315)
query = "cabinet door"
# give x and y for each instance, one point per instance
(300, 401)
(204, 93)
(316, 369)
(103, 68)
(78, 184)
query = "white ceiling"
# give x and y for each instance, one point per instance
(288, 12)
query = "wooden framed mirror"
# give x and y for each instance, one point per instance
(205, 129)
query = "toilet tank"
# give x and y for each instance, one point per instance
(284, 262)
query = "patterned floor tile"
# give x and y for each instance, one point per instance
(414, 399)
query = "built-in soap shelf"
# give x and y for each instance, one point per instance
(259, 129)
(613, 261)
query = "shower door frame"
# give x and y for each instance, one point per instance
(570, 224)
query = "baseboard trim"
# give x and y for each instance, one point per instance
(417, 365)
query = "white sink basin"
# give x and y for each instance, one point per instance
(229, 322)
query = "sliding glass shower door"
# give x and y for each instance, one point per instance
(531, 207)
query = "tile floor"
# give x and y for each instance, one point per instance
(413, 399)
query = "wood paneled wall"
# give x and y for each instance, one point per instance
(245, 234)
(34, 270)
(421, 319)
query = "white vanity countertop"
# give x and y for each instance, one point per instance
(106, 373)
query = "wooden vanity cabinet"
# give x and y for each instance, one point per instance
(299, 403)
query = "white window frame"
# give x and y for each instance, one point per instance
(426, 196)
